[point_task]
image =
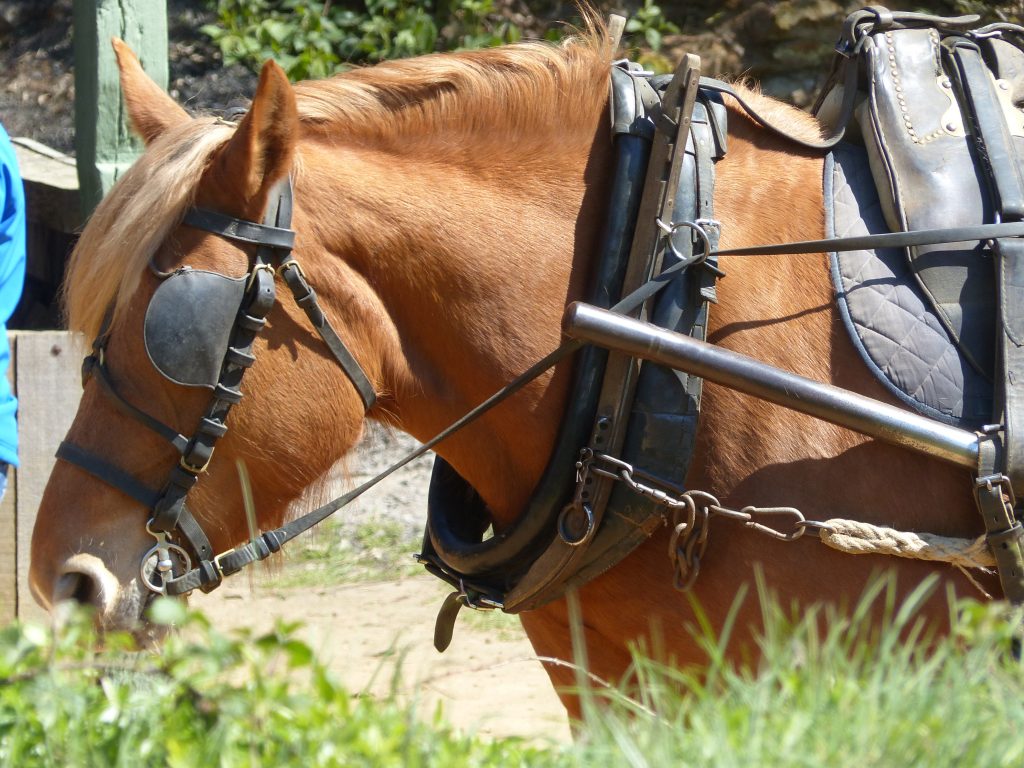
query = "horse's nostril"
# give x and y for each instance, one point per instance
(78, 587)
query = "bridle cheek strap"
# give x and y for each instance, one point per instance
(280, 240)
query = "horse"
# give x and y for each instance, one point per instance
(446, 208)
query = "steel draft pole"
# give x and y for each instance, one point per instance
(745, 374)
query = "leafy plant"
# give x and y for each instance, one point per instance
(314, 39)
(870, 686)
(208, 699)
(648, 26)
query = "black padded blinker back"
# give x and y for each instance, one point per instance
(188, 325)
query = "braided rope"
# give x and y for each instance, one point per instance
(863, 539)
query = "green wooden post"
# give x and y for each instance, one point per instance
(104, 147)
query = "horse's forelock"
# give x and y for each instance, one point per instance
(133, 220)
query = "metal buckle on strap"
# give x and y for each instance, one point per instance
(291, 263)
(1000, 481)
(477, 600)
(217, 564)
(195, 470)
(257, 268)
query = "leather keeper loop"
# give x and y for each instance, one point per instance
(167, 512)
(213, 428)
(240, 358)
(182, 478)
(232, 396)
(1002, 537)
(198, 457)
(272, 541)
(209, 576)
(251, 322)
(307, 300)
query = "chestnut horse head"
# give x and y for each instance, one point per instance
(445, 210)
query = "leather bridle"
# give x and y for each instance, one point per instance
(179, 536)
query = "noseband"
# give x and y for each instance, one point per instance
(194, 338)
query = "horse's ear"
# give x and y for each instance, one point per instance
(150, 109)
(263, 147)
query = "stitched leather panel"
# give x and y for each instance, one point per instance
(922, 161)
(886, 312)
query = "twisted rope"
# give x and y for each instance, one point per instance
(863, 539)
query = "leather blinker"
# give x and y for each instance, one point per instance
(188, 325)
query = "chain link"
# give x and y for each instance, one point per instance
(691, 513)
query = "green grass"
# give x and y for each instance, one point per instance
(335, 554)
(830, 690)
(209, 699)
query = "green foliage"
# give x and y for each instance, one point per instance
(831, 689)
(208, 699)
(647, 26)
(869, 687)
(312, 39)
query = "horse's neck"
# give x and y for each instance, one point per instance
(778, 309)
(471, 262)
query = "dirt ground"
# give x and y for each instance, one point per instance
(488, 681)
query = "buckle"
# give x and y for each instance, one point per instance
(219, 567)
(195, 470)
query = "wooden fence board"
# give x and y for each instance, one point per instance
(9, 528)
(49, 387)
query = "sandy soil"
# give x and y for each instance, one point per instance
(488, 680)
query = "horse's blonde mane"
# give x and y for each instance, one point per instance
(131, 222)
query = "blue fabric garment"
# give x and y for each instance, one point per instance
(12, 280)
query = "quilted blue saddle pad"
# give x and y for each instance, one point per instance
(887, 313)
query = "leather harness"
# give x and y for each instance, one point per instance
(665, 129)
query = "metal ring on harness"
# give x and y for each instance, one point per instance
(163, 567)
(671, 229)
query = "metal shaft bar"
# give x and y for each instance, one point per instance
(745, 374)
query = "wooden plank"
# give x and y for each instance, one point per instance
(8, 527)
(48, 382)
